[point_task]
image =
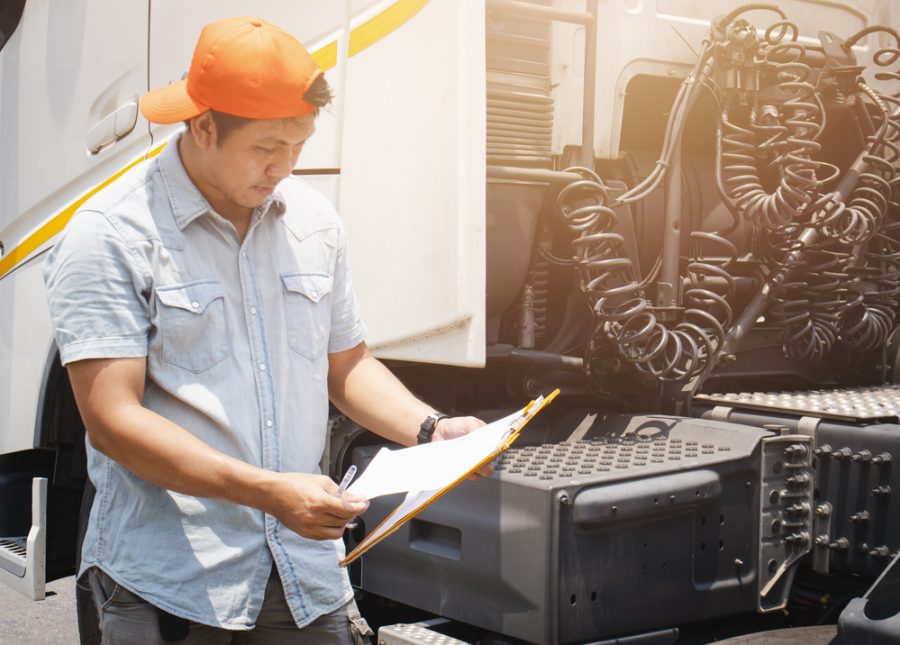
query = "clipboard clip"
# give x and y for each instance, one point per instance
(535, 406)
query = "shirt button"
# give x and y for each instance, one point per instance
(253, 310)
(268, 423)
(244, 255)
(195, 304)
(262, 367)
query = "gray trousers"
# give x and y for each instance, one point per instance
(127, 619)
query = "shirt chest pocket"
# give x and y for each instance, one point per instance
(307, 309)
(192, 325)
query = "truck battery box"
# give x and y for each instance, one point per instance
(686, 518)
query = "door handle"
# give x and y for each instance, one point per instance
(113, 127)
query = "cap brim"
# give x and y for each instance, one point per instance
(170, 104)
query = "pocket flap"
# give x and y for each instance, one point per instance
(194, 297)
(312, 285)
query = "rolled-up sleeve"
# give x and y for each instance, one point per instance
(95, 292)
(347, 327)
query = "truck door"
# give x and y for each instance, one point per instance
(70, 77)
(413, 178)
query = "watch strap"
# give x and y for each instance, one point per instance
(426, 430)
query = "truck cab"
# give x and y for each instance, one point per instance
(683, 216)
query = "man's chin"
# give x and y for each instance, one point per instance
(254, 199)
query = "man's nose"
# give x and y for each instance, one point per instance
(282, 165)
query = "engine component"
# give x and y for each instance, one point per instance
(826, 224)
(856, 437)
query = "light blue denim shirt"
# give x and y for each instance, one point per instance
(237, 338)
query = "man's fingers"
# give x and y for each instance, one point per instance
(485, 471)
(335, 520)
(342, 508)
(325, 534)
(312, 508)
(352, 507)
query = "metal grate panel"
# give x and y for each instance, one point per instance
(15, 546)
(853, 404)
(13, 555)
(519, 95)
(607, 458)
(417, 633)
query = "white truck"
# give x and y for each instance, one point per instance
(684, 214)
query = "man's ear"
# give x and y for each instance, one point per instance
(202, 129)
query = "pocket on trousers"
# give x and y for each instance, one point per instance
(307, 310)
(193, 325)
(107, 592)
(123, 616)
(360, 632)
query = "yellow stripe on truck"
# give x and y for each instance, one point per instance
(371, 31)
(326, 56)
(361, 37)
(52, 228)
(384, 23)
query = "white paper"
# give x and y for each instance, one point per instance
(413, 500)
(425, 471)
(431, 466)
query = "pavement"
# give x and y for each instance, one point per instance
(44, 622)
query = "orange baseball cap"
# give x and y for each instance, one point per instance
(246, 67)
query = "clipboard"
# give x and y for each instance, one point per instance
(414, 504)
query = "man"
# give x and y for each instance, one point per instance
(204, 309)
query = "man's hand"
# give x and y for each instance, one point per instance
(454, 427)
(307, 505)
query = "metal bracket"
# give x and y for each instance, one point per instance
(721, 413)
(808, 426)
(822, 531)
(23, 563)
(786, 515)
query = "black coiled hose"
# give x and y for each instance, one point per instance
(840, 289)
(870, 314)
(623, 315)
(860, 218)
(806, 308)
(789, 134)
(832, 241)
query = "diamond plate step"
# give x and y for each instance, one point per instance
(846, 404)
(415, 634)
(23, 559)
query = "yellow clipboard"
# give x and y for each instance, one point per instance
(410, 507)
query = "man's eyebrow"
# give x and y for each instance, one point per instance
(284, 142)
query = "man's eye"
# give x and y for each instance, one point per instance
(265, 150)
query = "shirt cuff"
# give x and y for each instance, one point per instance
(103, 348)
(347, 340)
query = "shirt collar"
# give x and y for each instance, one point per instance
(187, 202)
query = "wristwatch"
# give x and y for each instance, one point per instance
(426, 430)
